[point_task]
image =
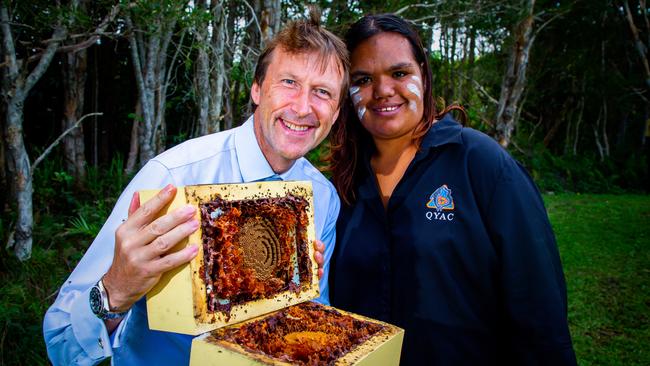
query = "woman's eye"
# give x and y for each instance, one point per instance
(362, 80)
(399, 74)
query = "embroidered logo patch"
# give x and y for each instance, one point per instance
(441, 199)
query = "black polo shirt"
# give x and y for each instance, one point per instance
(464, 258)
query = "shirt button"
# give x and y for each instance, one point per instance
(101, 344)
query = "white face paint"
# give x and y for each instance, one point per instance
(354, 90)
(360, 112)
(356, 99)
(414, 89)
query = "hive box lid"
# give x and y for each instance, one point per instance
(382, 348)
(182, 302)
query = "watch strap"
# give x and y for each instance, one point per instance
(108, 313)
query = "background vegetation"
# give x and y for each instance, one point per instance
(570, 79)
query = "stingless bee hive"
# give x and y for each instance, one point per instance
(255, 256)
(303, 334)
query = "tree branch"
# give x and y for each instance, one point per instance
(254, 16)
(58, 139)
(44, 62)
(640, 47)
(481, 89)
(8, 46)
(94, 36)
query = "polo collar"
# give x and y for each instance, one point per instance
(445, 131)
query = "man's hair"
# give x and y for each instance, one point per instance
(303, 36)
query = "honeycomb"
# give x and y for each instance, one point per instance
(253, 249)
(304, 334)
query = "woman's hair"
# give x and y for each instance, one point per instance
(349, 138)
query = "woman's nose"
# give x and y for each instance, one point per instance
(383, 88)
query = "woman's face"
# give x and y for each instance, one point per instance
(386, 86)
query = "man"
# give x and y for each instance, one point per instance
(299, 84)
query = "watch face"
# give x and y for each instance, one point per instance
(96, 301)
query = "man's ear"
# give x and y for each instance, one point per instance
(255, 93)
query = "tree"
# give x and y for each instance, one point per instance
(151, 26)
(514, 79)
(210, 72)
(18, 78)
(17, 81)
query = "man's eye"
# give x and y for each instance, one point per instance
(288, 81)
(323, 93)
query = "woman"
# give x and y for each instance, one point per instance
(441, 232)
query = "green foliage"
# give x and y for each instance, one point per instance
(585, 172)
(80, 226)
(604, 242)
(67, 220)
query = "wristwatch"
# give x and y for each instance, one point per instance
(99, 303)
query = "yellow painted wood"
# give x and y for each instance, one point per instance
(383, 349)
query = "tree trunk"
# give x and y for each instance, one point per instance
(514, 80)
(20, 237)
(202, 73)
(271, 20)
(134, 143)
(218, 74)
(16, 84)
(74, 83)
(210, 70)
(149, 57)
(641, 48)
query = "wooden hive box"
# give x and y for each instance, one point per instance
(319, 335)
(254, 265)
(182, 302)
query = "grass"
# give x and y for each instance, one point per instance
(604, 241)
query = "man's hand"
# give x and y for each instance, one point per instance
(142, 247)
(318, 256)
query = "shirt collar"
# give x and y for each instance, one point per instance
(445, 131)
(252, 163)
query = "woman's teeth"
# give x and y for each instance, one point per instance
(388, 109)
(293, 127)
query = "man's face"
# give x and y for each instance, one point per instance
(297, 104)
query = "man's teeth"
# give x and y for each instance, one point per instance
(293, 127)
(388, 109)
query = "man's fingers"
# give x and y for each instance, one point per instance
(319, 246)
(145, 214)
(319, 259)
(318, 256)
(135, 203)
(163, 243)
(166, 224)
(175, 259)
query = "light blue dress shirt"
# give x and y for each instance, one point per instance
(74, 335)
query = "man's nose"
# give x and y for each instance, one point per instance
(383, 88)
(301, 104)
